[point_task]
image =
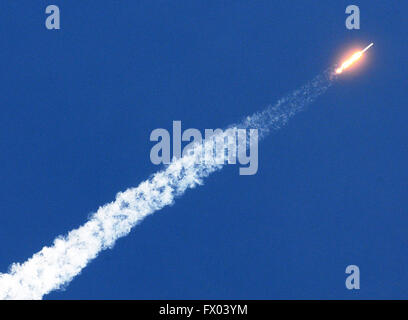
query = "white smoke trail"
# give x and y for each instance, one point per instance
(57, 265)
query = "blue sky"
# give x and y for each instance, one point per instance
(78, 106)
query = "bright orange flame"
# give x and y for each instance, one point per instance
(349, 61)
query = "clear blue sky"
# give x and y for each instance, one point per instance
(78, 106)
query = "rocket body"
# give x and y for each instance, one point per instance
(368, 47)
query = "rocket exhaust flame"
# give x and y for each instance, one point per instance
(356, 56)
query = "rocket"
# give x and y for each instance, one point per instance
(368, 47)
(353, 59)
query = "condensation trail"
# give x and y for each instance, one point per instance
(55, 266)
(276, 116)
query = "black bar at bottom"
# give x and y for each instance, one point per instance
(200, 309)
